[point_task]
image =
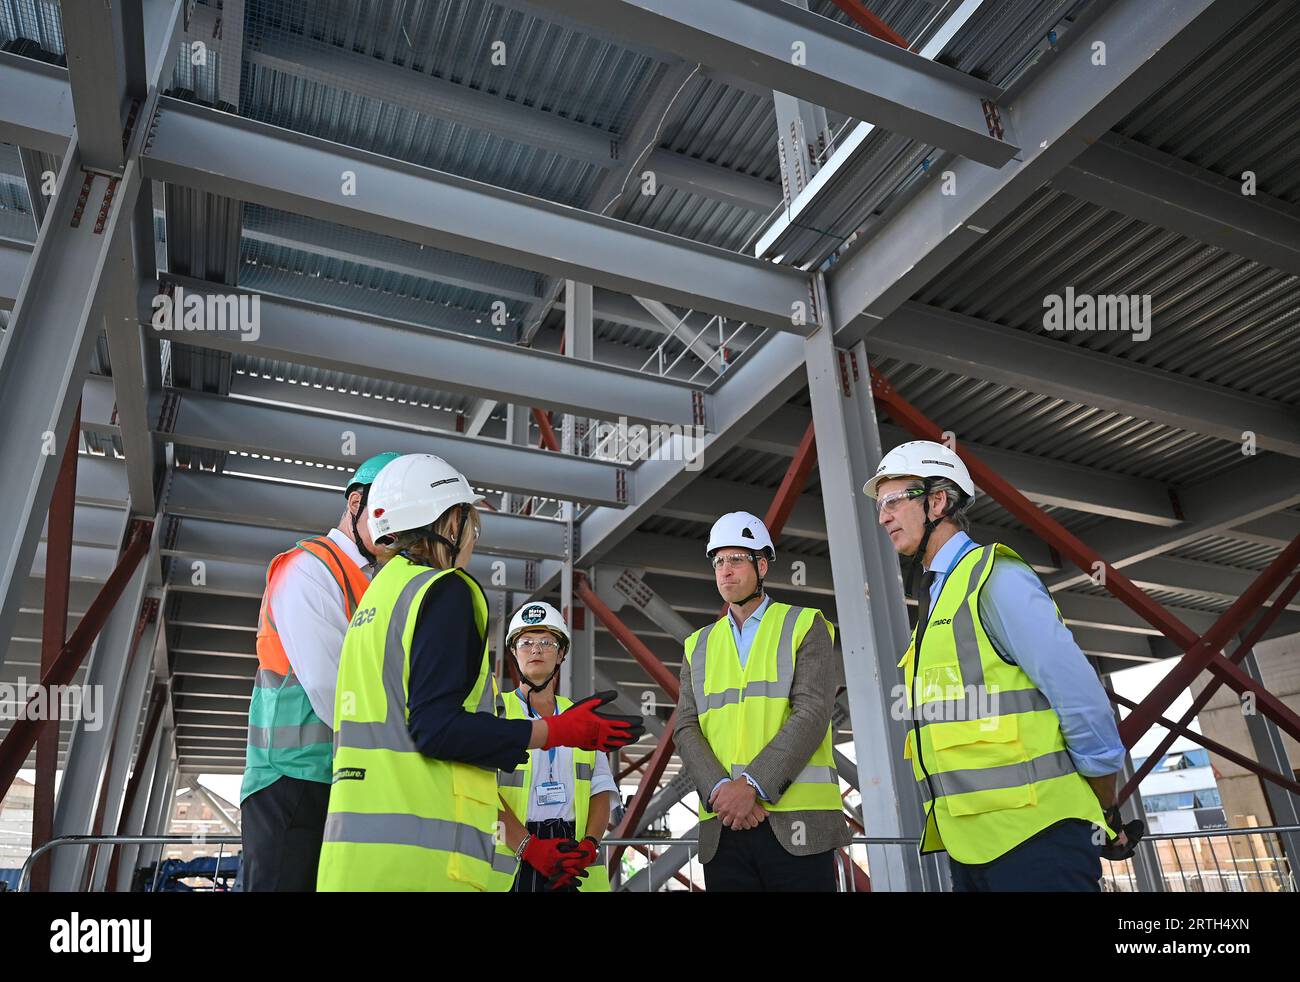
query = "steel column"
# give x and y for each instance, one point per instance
(86, 768)
(120, 780)
(873, 626)
(135, 805)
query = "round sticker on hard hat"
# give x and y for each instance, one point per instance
(533, 615)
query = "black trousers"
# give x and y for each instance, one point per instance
(283, 825)
(1061, 858)
(752, 860)
(528, 880)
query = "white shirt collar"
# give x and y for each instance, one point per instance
(949, 551)
(348, 546)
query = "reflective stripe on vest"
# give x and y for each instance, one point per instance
(741, 709)
(992, 765)
(286, 738)
(515, 788)
(399, 820)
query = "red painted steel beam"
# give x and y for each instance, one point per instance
(634, 767)
(792, 484)
(1070, 546)
(869, 22)
(1200, 701)
(22, 734)
(549, 440)
(157, 700)
(1181, 729)
(54, 631)
(1205, 654)
(860, 879)
(646, 658)
(663, 753)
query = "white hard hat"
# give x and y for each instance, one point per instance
(414, 491)
(743, 530)
(920, 458)
(538, 615)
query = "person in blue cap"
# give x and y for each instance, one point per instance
(311, 594)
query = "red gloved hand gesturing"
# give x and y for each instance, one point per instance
(573, 864)
(583, 727)
(546, 855)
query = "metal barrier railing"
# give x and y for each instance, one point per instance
(1244, 860)
(1249, 860)
(24, 876)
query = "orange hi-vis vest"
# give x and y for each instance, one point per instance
(285, 736)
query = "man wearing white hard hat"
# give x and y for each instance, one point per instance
(1011, 737)
(417, 743)
(754, 727)
(558, 794)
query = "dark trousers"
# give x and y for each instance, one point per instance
(752, 860)
(1061, 858)
(283, 825)
(528, 880)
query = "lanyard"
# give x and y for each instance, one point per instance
(550, 764)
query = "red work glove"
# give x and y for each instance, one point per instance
(573, 865)
(546, 855)
(582, 727)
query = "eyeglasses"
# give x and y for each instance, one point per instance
(735, 560)
(890, 502)
(542, 644)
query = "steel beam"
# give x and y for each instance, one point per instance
(250, 161)
(245, 501)
(219, 423)
(1064, 110)
(1270, 749)
(831, 65)
(1253, 489)
(1159, 189)
(923, 335)
(38, 111)
(326, 338)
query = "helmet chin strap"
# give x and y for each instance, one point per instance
(918, 558)
(758, 590)
(534, 687)
(356, 533)
(429, 533)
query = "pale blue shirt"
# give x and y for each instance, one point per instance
(744, 635)
(1020, 617)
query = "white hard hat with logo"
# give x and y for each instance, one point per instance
(413, 492)
(923, 459)
(532, 616)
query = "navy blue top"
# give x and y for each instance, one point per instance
(446, 655)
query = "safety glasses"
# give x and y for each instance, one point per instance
(735, 560)
(541, 644)
(890, 502)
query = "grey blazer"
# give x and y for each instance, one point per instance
(812, 701)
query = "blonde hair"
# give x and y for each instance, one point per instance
(421, 548)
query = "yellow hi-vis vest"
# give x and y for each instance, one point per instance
(516, 787)
(399, 820)
(993, 767)
(742, 709)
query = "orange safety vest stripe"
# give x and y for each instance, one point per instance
(351, 581)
